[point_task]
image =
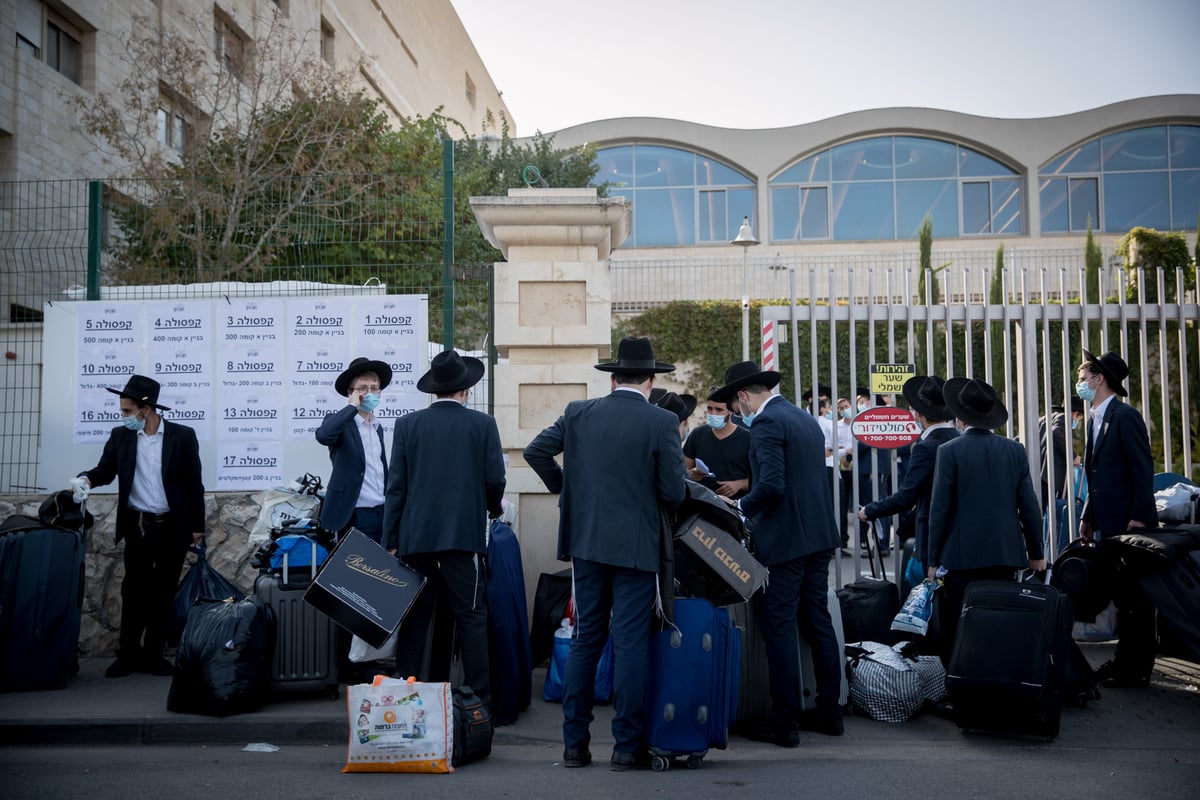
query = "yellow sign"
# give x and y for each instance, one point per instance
(890, 378)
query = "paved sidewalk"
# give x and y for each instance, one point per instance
(95, 710)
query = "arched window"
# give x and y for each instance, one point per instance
(679, 197)
(882, 188)
(1148, 177)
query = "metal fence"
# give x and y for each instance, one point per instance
(72, 240)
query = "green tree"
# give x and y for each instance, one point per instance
(1093, 260)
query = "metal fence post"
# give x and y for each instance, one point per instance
(95, 215)
(448, 243)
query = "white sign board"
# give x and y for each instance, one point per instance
(252, 376)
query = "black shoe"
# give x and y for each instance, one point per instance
(823, 720)
(943, 709)
(1125, 682)
(1106, 670)
(624, 762)
(158, 666)
(772, 734)
(885, 551)
(120, 668)
(576, 757)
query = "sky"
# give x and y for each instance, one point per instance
(776, 63)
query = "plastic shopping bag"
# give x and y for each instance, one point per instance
(202, 580)
(914, 615)
(400, 726)
(361, 652)
(556, 675)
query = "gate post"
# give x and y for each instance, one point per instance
(1027, 393)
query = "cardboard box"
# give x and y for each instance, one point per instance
(364, 588)
(712, 564)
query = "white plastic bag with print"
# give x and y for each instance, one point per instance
(400, 726)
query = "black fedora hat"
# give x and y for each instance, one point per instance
(635, 356)
(141, 389)
(682, 405)
(822, 391)
(742, 374)
(449, 372)
(975, 403)
(924, 395)
(1112, 367)
(357, 367)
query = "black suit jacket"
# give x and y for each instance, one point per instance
(180, 476)
(984, 511)
(339, 432)
(790, 510)
(446, 477)
(1120, 472)
(1058, 434)
(917, 486)
(622, 461)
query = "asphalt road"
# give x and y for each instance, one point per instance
(945, 763)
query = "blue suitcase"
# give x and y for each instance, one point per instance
(693, 684)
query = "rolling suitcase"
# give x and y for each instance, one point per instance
(868, 605)
(691, 692)
(1008, 664)
(754, 696)
(307, 645)
(41, 603)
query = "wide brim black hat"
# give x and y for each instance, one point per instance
(741, 375)
(357, 367)
(924, 394)
(822, 391)
(635, 356)
(975, 403)
(450, 372)
(682, 405)
(1112, 367)
(141, 389)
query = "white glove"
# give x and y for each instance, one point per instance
(79, 489)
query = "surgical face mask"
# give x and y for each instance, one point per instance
(1074, 424)
(748, 418)
(862, 406)
(715, 421)
(133, 422)
(829, 415)
(1086, 393)
(369, 403)
(847, 413)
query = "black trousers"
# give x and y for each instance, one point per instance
(154, 553)
(459, 577)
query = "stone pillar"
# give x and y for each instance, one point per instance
(553, 325)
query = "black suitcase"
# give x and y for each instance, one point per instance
(869, 605)
(1008, 664)
(307, 645)
(41, 603)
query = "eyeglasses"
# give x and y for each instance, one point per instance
(372, 389)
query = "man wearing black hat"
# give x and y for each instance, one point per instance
(928, 405)
(681, 405)
(793, 532)
(723, 447)
(984, 518)
(160, 512)
(622, 463)
(1120, 474)
(445, 479)
(354, 496)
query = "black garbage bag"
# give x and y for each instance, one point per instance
(202, 580)
(224, 655)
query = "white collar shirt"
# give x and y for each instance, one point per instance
(1097, 420)
(371, 493)
(925, 433)
(147, 492)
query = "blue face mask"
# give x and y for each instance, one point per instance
(1074, 424)
(847, 413)
(1086, 393)
(715, 421)
(369, 403)
(748, 418)
(133, 422)
(829, 415)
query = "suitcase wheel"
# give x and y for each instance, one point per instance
(660, 763)
(693, 762)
